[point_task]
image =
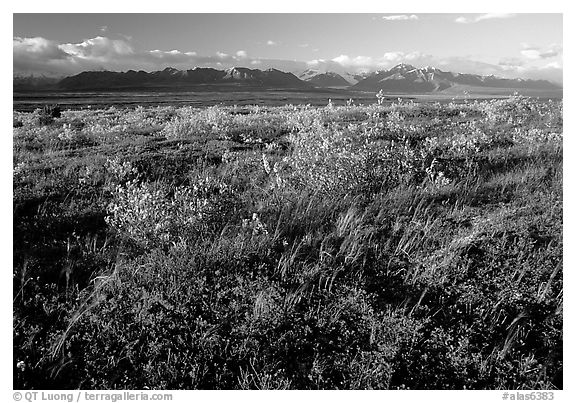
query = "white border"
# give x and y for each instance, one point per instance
(305, 6)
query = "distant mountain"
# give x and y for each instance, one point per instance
(269, 77)
(400, 79)
(171, 77)
(354, 78)
(405, 78)
(328, 78)
(325, 80)
(308, 74)
(20, 83)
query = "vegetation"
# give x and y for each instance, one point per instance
(402, 246)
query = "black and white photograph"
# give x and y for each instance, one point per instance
(287, 201)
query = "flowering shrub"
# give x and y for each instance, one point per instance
(151, 215)
(113, 120)
(119, 171)
(71, 135)
(189, 122)
(395, 121)
(535, 136)
(331, 159)
(460, 143)
(24, 119)
(249, 127)
(520, 111)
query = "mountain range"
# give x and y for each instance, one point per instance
(171, 77)
(330, 79)
(402, 78)
(407, 78)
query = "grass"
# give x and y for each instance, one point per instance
(402, 246)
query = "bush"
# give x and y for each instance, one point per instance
(152, 214)
(51, 110)
(47, 114)
(45, 120)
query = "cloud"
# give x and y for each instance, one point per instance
(511, 61)
(100, 48)
(271, 43)
(387, 60)
(358, 61)
(43, 56)
(507, 68)
(400, 17)
(530, 53)
(552, 72)
(103, 28)
(535, 52)
(38, 55)
(483, 17)
(37, 48)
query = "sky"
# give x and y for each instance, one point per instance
(503, 44)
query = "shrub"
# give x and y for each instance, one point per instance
(153, 214)
(45, 120)
(51, 110)
(47, 114)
